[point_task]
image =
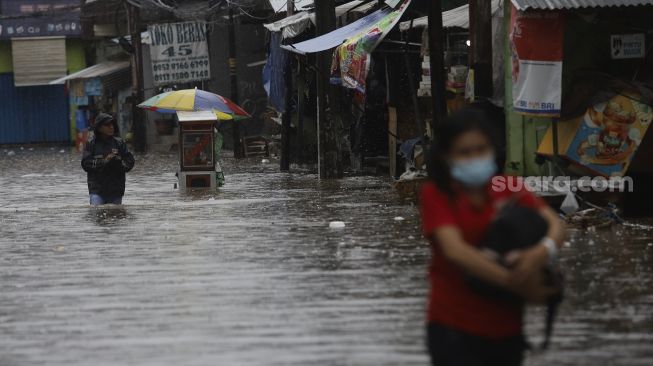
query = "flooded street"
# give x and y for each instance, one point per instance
(253, 275)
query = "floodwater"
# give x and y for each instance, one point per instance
(253, 275)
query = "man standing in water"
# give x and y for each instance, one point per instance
(106, 160)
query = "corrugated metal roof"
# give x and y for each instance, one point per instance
(301, 20)
(99, 70)
(454, 18)
(575, 4)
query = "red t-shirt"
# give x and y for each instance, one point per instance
(452, 303)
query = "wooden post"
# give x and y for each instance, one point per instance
(330, 160)
(392, 140)
(233, 74)
(438, 79)
(138, 92)
(287, 114)
(480, 22)
(301, 88)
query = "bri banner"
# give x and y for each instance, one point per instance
(536, 43)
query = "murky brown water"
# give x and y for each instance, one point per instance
(253, 275)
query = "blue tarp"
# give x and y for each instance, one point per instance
(335, 38)
(274, 81)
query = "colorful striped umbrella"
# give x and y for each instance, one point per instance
(195, 100)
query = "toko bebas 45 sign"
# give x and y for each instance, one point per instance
(179, 53)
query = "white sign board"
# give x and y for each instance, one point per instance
(628, 46)
(179, 53)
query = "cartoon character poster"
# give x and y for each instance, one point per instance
(610, 133)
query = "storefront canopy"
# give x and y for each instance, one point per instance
(281, 5)
(575, 4)
(296, 24)
(385, 18)
(454, 18)
(95, 71)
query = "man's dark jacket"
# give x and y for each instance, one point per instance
(107, 178)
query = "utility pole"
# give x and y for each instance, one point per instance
(436, 49)
(233, 74)
(480, 22)
(287, 114)
(138, 94)
(329, 159)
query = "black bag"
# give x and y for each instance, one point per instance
(517, 228)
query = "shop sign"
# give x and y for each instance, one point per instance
(39, 18)
(179, 53)
(536, 43)
(628, 46)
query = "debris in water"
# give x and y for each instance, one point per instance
(11, 153)
(265, 161)
(399, 218)
(336, 225)
(62, 151)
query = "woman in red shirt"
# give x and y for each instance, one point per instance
(457, 206)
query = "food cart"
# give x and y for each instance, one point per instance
(197, 158)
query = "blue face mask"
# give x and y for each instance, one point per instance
(475, 172)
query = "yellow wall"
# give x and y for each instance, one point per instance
(76, 61)
(6, 64)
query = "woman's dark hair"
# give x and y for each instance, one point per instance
(457, 124)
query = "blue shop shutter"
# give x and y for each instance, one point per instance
(33, 114)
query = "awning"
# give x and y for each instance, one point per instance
(338, 36)
(575, 4)
(454, 18)
(296, 24)
(281, 5)
(99, 70)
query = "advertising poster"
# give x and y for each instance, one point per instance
(609, 134)
(536, 42)
(351, 60)
(179, 53)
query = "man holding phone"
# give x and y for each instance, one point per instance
(106, 159)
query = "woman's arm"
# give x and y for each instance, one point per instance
(530, 261)
(557, 228)
(470, 259)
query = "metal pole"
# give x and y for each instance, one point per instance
(436, 37)
(287, 115)
(233, 74)
(140, 132)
